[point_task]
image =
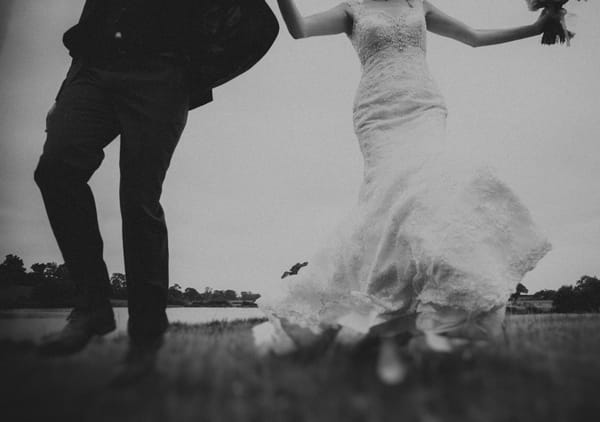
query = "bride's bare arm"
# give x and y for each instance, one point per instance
(333, 21)
(440, 23)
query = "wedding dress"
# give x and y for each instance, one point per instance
(432, 234)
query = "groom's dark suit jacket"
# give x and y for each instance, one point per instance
(220, 38)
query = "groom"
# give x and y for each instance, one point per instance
(138, 67)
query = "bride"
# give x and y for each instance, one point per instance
(435, 244)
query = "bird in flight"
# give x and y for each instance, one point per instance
(294, 270)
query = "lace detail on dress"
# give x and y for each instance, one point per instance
(396, 85)
(431, 233)
(375, 29)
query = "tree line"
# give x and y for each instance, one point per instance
(50, 285)
(582, 297)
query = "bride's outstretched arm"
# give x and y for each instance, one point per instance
(332, 21)
(440, 23)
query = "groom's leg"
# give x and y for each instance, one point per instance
(79, 127)
(152, 107)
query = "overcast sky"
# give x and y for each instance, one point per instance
(263, 173)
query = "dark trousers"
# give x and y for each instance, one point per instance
(145, 101)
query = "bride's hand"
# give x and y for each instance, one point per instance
(549, 17)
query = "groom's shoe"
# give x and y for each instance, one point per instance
(147, 331)
(82, 325)
(146, 337)
(147, 320)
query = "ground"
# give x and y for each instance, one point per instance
(545, 369)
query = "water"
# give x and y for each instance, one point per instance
(33, 324)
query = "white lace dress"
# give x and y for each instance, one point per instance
(431, 234)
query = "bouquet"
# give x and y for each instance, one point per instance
(554, 31)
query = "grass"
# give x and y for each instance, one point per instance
(546, 370)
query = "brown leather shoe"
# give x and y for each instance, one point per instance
(82, 325)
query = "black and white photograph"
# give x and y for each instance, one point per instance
(299, 210)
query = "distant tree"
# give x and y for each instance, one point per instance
(588, 288)
(583, 297)
(118, 280)
(565, 300)
(118, 285)
(12, 271)
(249, 296)
(38, 268)
(53, 271)
(230, 295)
(52, 286)
(545, 295)
(62, 273)
(175, 295)
(205, 295)
(57, 288)
(40, 273)
(191, 295)
(217, 295)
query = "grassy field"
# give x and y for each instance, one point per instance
(547, 369)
